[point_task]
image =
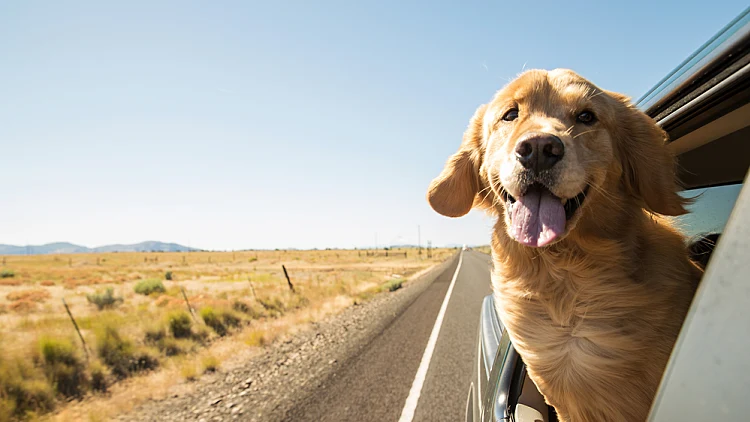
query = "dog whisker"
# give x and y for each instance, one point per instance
(583, 133)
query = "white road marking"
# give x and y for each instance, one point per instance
(416, 387)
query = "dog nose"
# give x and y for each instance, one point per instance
(539, 151)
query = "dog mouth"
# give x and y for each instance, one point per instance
(538, 217)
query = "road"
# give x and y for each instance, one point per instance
(374, 385)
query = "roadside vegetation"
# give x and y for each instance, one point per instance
(143, 312)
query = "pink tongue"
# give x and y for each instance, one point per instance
(537, 218)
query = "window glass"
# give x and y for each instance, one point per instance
(710, 211)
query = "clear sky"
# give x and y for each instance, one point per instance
(228, 125)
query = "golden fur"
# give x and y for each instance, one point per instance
(596, 313)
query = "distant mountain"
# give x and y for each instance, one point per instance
(65, 247)
(147, 246)
(50, 248)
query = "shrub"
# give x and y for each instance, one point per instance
(189, 371)
(147, 287)
(220, 320)
(213, 320)
(393, 285)
(209, 363)
(99, 376)
(154, 333)
(116, 352)
(145, 360)
(170, 346)
(256, 338)
(278, 305)
(273, 305)
(180, 324)
(7, 409)
(120, 355)
(241, 306)
(7, 274)
(201, 333)
(104, 300)
(33, 396)
(245, 308)
(23, 389)
(231, 319)
(168, 275)
(62, 366)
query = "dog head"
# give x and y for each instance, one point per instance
(549, 146)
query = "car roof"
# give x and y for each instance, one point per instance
(708, 61)
(704, 106)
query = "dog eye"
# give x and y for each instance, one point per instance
(511, 115)
(586, 117)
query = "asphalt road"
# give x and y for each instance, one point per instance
(374, 385)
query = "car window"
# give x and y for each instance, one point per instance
(710, 210)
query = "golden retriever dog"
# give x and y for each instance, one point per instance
(590, 280)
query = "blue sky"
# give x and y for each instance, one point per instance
(229, 125)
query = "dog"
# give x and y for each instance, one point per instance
(589, 278)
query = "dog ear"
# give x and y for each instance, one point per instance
(648, 166)
(453, 192)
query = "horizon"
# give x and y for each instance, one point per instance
(302, 126)
(198, 249)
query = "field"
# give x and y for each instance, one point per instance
(141, 313)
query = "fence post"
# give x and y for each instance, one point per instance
(75, 325)
(286, 274)
(187, 302)
(252, 288)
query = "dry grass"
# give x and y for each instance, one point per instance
(484, 249)
(243, 295)
(36, 295)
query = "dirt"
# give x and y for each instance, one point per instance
(265, 387)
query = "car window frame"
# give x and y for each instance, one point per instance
(705, 362)
(496, 399)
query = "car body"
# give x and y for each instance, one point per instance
(704, 106)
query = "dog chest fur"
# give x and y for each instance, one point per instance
(592, 333)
